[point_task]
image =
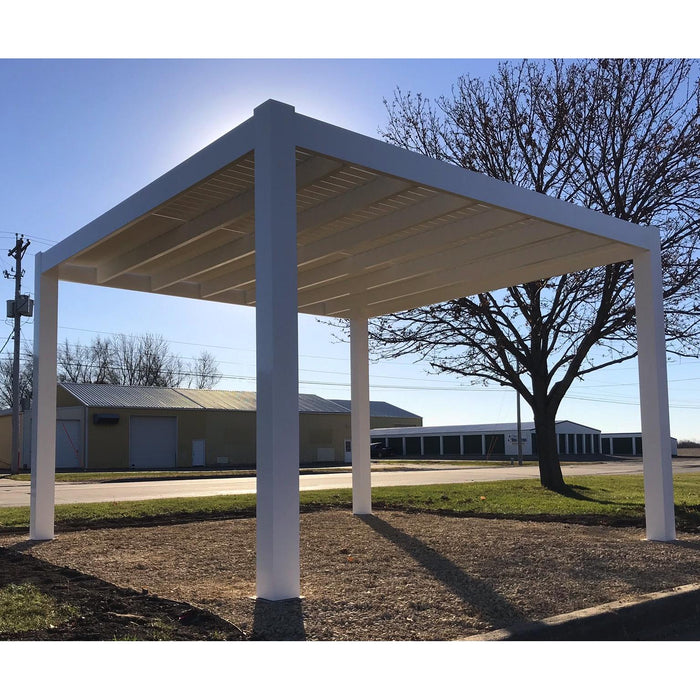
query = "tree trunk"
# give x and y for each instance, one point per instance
(547, 450)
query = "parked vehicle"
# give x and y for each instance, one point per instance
(378, 450)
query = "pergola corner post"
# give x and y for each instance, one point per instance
(43, 462)
(360, 418)
(653, 394)
(277, 428)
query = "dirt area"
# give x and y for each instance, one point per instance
(390, 576)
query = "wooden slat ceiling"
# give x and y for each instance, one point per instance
(365, 241)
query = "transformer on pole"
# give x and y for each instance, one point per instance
(20, 306)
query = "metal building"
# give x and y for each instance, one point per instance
(105, 426)
(487, 440)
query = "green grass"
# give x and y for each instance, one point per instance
(24, 608)
(607, 499)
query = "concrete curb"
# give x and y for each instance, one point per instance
(619, 620)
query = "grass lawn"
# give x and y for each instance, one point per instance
(23, 607)
(615, 500)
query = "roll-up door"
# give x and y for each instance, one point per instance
(153, 441)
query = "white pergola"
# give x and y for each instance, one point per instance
(290, 214)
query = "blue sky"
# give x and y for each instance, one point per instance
(79, 136)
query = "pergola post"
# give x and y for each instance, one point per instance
(277, 354)
(360, 423)
(653, 394)
(43, 464)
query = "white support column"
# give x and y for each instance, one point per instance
(277, 354)
(360, 415)
(43, 465)
(653, 394)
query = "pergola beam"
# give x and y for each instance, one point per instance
(186, 234)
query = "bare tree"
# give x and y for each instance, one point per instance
(74, 363)
(618, 136)
(25, 378)
(203, 372)
(144, 360)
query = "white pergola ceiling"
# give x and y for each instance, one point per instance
(367, 238)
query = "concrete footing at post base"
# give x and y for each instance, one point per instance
(666, 615)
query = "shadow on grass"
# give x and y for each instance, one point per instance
(472, 591)
(103, 611)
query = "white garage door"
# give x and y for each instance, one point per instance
(68, 444)
(153, 441)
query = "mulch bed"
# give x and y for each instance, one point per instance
(390, 576)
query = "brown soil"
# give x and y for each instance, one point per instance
(391, 576)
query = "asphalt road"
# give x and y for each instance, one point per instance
(16, 493)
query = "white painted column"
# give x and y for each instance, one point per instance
(277, 354)
(359, 419)
(43, 464)
(653, 394)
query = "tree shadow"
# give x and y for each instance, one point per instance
(474, 592)
(575, 493)
(278, 620)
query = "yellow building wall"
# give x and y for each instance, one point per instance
(229, 436)
(5, 441)
(108, 445)
(323, 433)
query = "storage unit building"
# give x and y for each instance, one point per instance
(628, 444)
(487, 440)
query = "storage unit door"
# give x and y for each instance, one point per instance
(153, 441)
(68, 444)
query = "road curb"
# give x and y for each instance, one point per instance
(619, 620)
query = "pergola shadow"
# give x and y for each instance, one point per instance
(449, 574)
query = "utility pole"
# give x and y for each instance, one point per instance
(20, 306)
